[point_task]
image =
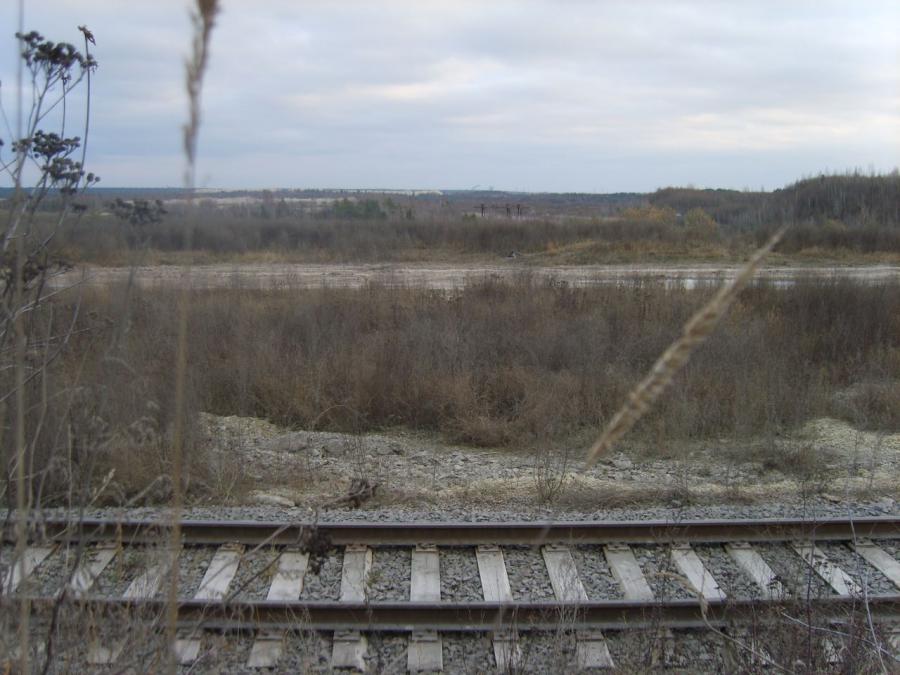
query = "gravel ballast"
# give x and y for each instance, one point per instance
(865, 575)
(254, 574)
(460, 581)
(798, 578)
(663, 577)
(326, 583)
(733, 581)
(811, 509)
(527, 574)
(389, 580)
(594, 572)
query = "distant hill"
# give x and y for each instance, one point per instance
(854, 199)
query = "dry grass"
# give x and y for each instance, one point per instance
(205, 233)
(526, 362)
(698, 328)
(211, 235)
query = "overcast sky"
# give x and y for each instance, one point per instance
(558, 96)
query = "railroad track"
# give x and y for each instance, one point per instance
(786, 567)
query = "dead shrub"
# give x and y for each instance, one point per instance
(493, 364)
(870, 405)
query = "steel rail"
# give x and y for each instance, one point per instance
(492, 616)
(200, 532)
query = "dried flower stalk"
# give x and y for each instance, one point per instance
(202, 21)
(695, 332)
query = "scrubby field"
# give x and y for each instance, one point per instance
(520, 364)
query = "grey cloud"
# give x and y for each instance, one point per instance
(531, 95)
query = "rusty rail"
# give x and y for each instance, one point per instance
(200, 532)
(491, 616)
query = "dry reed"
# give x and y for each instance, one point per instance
(695, 332)
(202, 21)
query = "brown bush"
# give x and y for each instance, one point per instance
(492, 364)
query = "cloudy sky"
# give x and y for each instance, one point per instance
(599, 96)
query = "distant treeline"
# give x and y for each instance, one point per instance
(850, 211)
(834, 215)
(355, 231)
(854, 199)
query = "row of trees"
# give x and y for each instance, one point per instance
(854, 199)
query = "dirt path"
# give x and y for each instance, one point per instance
(444, 277)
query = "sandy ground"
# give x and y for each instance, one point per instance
(826, 458)
(439, 276)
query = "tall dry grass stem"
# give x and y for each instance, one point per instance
(22, 501)
(202, 21)
(25, 607)
(695, 332)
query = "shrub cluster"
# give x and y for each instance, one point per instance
(493, 364)
(362, 236)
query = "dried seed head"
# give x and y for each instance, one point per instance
(695, 332)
